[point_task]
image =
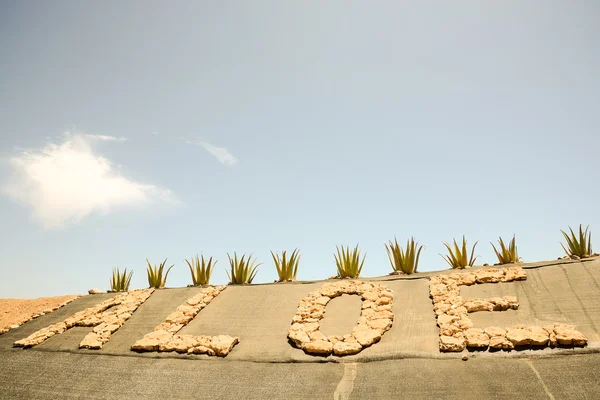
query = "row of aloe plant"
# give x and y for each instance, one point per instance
(348, 261)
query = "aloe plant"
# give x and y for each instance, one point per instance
(507, 254)
(457, 257)
(155, 274)
(120, 280)
(243, 270)
(287, 267)
(404, 261)
(578, 246)
(201, 270)
(348, 262)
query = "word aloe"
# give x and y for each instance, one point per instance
(458, 257)
(507, 254)
(287, 268)
(349, 264)
(201, 270)
(243, 270)
(155, 274)
(120, 280)
(405, 261)
(578, 247)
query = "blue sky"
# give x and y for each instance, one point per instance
(134, 130)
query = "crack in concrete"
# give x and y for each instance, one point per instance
(550, 396)
(346, 385)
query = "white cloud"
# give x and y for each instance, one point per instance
(104, 138)
(221, 153)
(64, 183)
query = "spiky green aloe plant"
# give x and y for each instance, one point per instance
(243, 270)
(287, 268)
(457, 258)
(155, 274)
(507, 254)
(405, 261)
(578, 247)
(120, 280)
(201, 270)
(348, 262)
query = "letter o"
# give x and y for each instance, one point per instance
(376, 318)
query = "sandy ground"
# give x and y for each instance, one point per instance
(18, 311)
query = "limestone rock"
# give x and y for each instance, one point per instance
(467, 279)
(514, 274)
(310, 327)
(478, 305)
(188, 310)
(567, 335)
(179, 343)
(437, 289)
(490, 275)
(380, 325)
(318, 347)
(464, 323)
(372, 296)
(335, 338)
(449, 343)
(299, 337)
(441, 309)
(323, 300)
(349, 338)
(449, 330)
(538, 336)
(518, 336)
(91, 341)
(366, 337)
(178, 317)
(331, 291)
(512, 302)
(500, 342)
(477, 338)
(317, 335)
(500, 303)
(458, 311)
(152, 341)
(445, 319)
(344, 348)
(495, 331)
(383, 301)
(201, 350)
(222, 344)
(95, 291)
(296, 326)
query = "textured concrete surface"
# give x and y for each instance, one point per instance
(46, 375)
(406, 363)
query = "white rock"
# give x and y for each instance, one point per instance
(344, 349)
(449, 343)
(222, 344)
(366, 337)
(299, 337)
(318, 347)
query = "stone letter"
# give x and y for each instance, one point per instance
(376, 318)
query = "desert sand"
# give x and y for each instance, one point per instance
(18, 311)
